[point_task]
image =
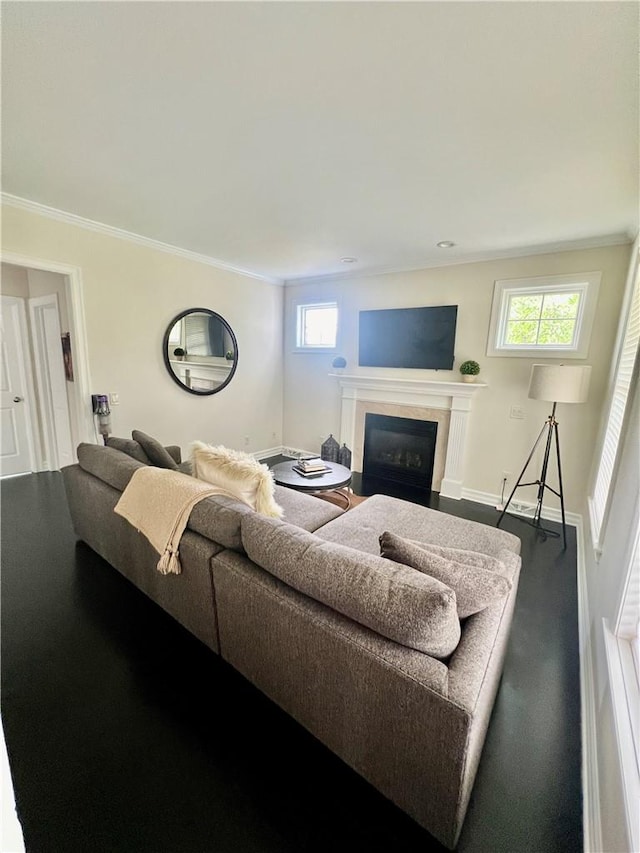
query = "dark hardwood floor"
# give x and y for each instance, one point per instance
(124, 733)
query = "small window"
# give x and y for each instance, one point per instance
(317, 326)
(543, 316)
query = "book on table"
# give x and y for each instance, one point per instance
(311, 474)
(315, 464)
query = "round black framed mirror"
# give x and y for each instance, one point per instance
(200, 351)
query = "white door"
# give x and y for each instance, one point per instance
(16, 442)
(51, 381)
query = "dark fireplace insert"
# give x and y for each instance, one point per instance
(399, 449)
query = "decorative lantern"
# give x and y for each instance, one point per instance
(330, 450)
(344, 457)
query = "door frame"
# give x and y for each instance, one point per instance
(47, 363)
(80, 413)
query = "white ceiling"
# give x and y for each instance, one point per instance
(280, 137)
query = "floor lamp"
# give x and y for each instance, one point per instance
(555, 383)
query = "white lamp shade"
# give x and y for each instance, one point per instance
(560, 383)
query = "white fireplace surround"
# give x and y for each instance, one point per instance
(454, 397)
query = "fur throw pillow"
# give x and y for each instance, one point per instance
(238, 474)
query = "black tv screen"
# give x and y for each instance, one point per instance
(408, 337)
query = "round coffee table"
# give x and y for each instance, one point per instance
(337, 477)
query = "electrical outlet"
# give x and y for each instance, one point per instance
(246, 441)
(114, 398)
(517, 412)
(502, 491)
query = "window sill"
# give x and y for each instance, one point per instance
(625, 697)
(535, 352)
(326, 350)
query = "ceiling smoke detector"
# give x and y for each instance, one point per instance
(348, 260)
(445, 244)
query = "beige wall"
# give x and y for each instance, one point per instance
(131, 292)
(14, 281)
(496, 442)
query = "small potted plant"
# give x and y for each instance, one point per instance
(229, 355)
(469, 370)
(179, 353)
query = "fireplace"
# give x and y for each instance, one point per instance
(399, 449)
(448, 403)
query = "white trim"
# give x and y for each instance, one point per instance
(53, 396)
(454, 397)
(607, 460)
(521, 508)
(503, 289)
(82, 375)
(111, 231)
(594, 526)
(411, 266)
(626, 707)
(473, 258)
(41, 361)
(591, 818)
(270, 451)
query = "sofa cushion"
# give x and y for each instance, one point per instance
(395, 601)
(107, 464)
(238, 473)
(304, 510)
(157, 454)
(475, 586)
(498, 564)
(175, 452)
(132, 448)
(361, 528)
(218, 518)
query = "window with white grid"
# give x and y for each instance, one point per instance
(543, 317)
(316, 326)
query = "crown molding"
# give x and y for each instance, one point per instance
(479, 257)
(138, 239)
(421, 264)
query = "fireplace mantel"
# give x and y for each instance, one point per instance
(455, 397)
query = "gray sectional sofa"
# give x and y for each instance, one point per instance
(307, 610)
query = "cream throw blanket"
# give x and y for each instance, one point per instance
(158, 502)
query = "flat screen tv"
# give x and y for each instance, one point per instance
(408, 337)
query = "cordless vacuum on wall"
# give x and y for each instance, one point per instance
(101, 410)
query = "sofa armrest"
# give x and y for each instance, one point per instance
(380, 706)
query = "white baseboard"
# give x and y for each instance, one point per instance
(293, 452)
(591, 821)
(265, 454)
(522, 508)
